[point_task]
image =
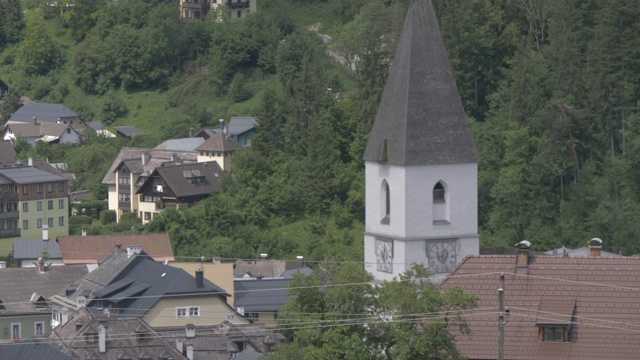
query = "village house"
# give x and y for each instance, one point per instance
(49, 113)
(34, 131)
(231, 9)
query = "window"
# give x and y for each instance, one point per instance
(147, 215)
(25, 207)
(15, 331)
(49, 187)
(50, 204)
(194, 312)
(39, 223)
(440, 208)
(61, 204)
(38, 328)
(239, 13)
(25, 189)
(61, 186)
(68, 130)
(553, 333)
(91, 338)
(39, 205)
(25, 224)
(181, 312)
(385, 203)
(9, 207)
(438, 193)
(252, 316)
(61, 221)
(50, 222)
(39, 189)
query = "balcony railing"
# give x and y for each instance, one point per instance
(8, 197)
(9, 215)
(9, 233)
(238, 5)
(197, 6)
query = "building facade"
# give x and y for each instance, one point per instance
(231, 9)
(33, 204)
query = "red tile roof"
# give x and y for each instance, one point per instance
(90, 249)
(605, 291)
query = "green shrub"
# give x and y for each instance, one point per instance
(107, 216)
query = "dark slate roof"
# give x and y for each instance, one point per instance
(7, 153)
(152, 281)
(17, 285)
(128, 131)
(95, 125)
(598, 294)
(32, 249)
(220, 142)
(176, 177)
(239, 125)
(31, 350)
(42, 111)
(420, 119)
(208, 132)
(248, 355)
(185, 144)
(29, 175)
(261, 295)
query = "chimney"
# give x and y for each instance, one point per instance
(221, 124)
(522, 257)
(59, 121)
(30, 161)
(173, 157)
(84, 231)
(145, 158)
(179, 345)
(190, 351)
(190, 331)
(102, 339)
(595, 246)
(191, 132)
(41, 266)
(199, 278)
(133, 250)
(3, 264)
(45, 232)
(118, 248)
(34, 121)
(65, 315)
(300, 260)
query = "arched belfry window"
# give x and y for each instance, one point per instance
(385, 202)
(440, 208)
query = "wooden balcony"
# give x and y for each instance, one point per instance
(238, 5)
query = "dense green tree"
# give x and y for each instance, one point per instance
(10, 103)
(37, 49)
(11, 22)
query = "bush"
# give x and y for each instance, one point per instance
(108, 216)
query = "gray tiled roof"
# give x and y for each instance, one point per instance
(95, 125)
(7, 153)
(31, 350)
(17, 285)
(220, 142)
(32, 249)
(261, 295)
(156, 158)
(42, 111)
(248, 355)
(239, 125)
(420, 118)
(29, 175)
(185, 144)
(40, 129)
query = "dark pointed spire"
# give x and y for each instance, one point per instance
(420, 119)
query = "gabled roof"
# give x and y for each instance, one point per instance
(580, 252)
(32, 249)
(128, 131)
(261, 295)
(7, 152)
(259, 336)
(220, 142)
(95, 125)
(122, 341)
(178, 178)
(156, 158)
(420, 120)
(185, 144)
(29, 175)
(90, 249)
(17, 285)
(39, 129)
(42, 111)
(32, 349)
(597, 297)
(264, 268)
(151, 282)
(239, 125)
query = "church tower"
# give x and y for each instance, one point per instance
(421, 163)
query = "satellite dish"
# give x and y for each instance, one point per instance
(524, 244)
(598, 240)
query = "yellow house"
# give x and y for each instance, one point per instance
(218, 148)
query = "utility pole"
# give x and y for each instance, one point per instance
(502, 318)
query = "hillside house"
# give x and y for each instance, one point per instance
(49, 113)
(231, 9)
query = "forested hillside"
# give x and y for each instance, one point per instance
(551, 88)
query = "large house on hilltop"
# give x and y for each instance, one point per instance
(421, 161)
(231, 9)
